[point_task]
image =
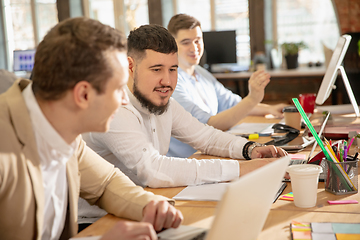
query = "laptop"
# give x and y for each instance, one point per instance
(243, 209)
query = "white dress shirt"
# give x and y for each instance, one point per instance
(138, 141)
(54, 153)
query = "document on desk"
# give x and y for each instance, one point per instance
(211, 192)
(249, 128)
(205, 192)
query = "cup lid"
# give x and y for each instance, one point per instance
(290, 109)
(304, 169)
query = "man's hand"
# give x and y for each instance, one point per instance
(276, 110)
(130, 230)
(257, 83)
(267, 152)
(162, 215)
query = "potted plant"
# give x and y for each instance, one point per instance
(291, 53)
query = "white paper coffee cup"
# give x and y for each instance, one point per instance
(304, 183)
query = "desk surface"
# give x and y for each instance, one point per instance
(298, 72)
(200, 213)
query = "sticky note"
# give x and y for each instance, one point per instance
(300, 235)
(343, 202)
(289, 197)
(300, 230)
(320, 227)
(299, 226)
(346, 228)
(344, 236)
(297, 156)
(323, 236)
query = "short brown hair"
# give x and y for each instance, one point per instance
(73, 51)
(182, 21)
(153, 37)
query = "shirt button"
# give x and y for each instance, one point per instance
(153, 130)
(144, 149)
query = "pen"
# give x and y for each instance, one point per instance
(341, 155)
(338, 169)
(345, 152)
(249, 136)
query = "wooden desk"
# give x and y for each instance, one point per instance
(200, 213)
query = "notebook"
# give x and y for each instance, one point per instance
(243, 209)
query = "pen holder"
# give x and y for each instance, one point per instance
(342, 177)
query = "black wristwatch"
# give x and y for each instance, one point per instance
(249, 147)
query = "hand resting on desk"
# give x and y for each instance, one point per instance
(267, 152)
(162, 215)
(156, 216)
(261, 156)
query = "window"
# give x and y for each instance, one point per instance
(21, 30)
(112, 13)
(136, 14)
(313, 22)
(103, 11)
(26, 23)
(200, 9)
(46, 16)
(228, 15)
(232, 15)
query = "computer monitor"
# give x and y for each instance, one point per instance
(219, 47)
(24, 60)
(328, 82)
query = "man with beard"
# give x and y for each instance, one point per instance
(146, 124)
(139, 135)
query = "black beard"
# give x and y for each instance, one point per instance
(146, 103)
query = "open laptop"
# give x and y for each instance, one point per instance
(243, 209)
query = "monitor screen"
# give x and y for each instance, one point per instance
(220, 47)
(331, 73)
(24, 60)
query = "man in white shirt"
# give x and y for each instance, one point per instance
(79, 82)
(152, 117)
(202, 95)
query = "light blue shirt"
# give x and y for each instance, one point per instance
(203, 96)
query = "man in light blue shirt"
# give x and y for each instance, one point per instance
(202, 95)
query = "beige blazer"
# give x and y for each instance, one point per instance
(88, 175)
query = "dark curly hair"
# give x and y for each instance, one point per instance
(153, 37)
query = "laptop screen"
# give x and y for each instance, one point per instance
(24, 60)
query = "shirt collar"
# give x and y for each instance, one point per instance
(42, 126)
(185, 74)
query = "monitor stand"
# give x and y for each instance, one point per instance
(349, 91)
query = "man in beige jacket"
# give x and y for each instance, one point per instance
(78, 83)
